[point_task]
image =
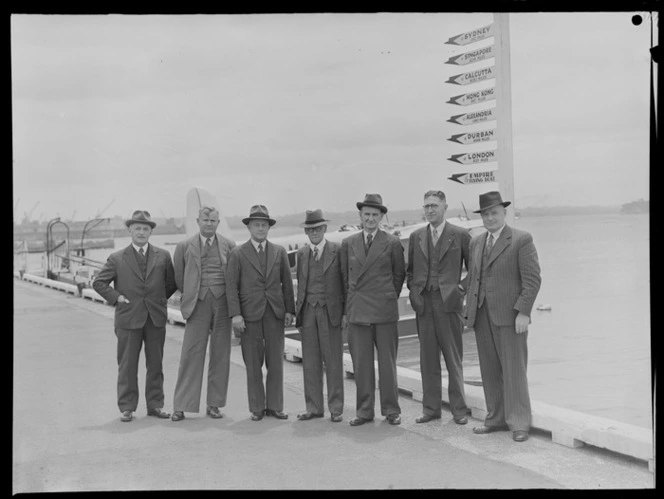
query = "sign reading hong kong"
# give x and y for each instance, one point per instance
(473, 97)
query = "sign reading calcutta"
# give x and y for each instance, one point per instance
(473, 178)
(473, 97)
(472, 76)
(471, 158)
(474, 137)
(472, 36)
(474, 117)
(472, 56)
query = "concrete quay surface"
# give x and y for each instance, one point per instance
(67, 434)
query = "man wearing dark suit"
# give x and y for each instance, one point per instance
(143, 280)
(200, 274)
(319, 317)
(373, 268)
(504, 280)
(259, 290)
(436, 256)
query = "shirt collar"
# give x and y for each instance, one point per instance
(320, 246)
(145, 248)
(264, 243)
(496, 234)
(439, 228)
(203, 238)
(373, 234)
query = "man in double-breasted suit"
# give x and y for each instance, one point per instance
(259, 290)
(200, 274)
(373, 267)
(319, 317)
(436, 256)
(504, 280)
(143, 279)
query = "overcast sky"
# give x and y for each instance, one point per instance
(315, 110)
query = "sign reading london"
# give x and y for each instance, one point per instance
(472, 36)
(474, 117)
(472, 56)
(473, 178)
(471, 158)
(472, 76)
(473, 97)
(474, 137)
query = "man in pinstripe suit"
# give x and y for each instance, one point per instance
(504, 279)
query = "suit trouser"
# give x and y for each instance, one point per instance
(361, 341)
(322, 345)
(440, 331)
(208, 319)
(263, 341)
(503, 356)
(130, 342)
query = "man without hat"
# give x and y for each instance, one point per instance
(319, 317)
(259, 290)
(373, 267)
(504, 279)
(143, 279)
(200, 274)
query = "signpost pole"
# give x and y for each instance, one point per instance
(505, 173)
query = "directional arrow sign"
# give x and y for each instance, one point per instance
(473, 178)
(472, 56)
(471, 36)
(473, 97)
(474, 137)
(472, 76)
(475, 117)
(471, 158)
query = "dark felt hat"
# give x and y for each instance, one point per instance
(314, 218)
(489, 200)
(140, 217)
(258, 212)
(372, 201)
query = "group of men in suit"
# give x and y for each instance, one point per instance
(352, 286)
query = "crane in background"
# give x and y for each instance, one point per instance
(28, 214)
(101, 212)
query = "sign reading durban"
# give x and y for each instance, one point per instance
(474, 137)
(473, 76)
(473, 178)
(471, 158)
(472, 56)
(472, 36)
(473, 97)
(474, 117)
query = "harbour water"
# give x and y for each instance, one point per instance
(590, 352)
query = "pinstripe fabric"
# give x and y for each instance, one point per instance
(511, 281)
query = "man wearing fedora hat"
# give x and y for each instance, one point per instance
(504, 279)
(319, 317)
(143, 280)
(259, 290)
(373, 268)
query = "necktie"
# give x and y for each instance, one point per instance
(208, 242)
(369, 240)
(489, 245)
(435, 236)
(261, 256)
(141, 252)
(316, 254)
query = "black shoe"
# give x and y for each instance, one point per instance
(336, 418)
(461, 420)
(425, 418)
(306, 416)
(358, 421)
(126, 416)
(177, 416)
(481, 430)
(276, 414)
(393, 419)
(256, 416)
(158, 413)
(214, 412)
(520, 436)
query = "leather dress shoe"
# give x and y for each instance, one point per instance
(276, 414)
(158, 413)
(214, 412)
(358, 421)
(126, 416)
(481, 430)
(394, 419)
(306, 416)
(461, 420)
(256, 416)
(520, 436)
(425, 418)
(177, 416)
(336, 418)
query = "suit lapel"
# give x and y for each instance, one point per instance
(446, 238)
(377, 247)
(195, 249)
(479, 249)
(152, 259)
(252, 256)
(222, 245)
(130, 259)
(328, 256)
(305, 264)
(357, 245)
(424, 242)
(271, 257)
(501, 244)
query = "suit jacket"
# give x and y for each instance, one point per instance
(146, 296)
(373, 282)
(187, 263)
(453, 256)
(512, 278)
(334, 286)
(248, 290)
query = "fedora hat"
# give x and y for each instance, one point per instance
(372, 201)
(258, 212)
(489, 200)
(140, 217)
(314, 218)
